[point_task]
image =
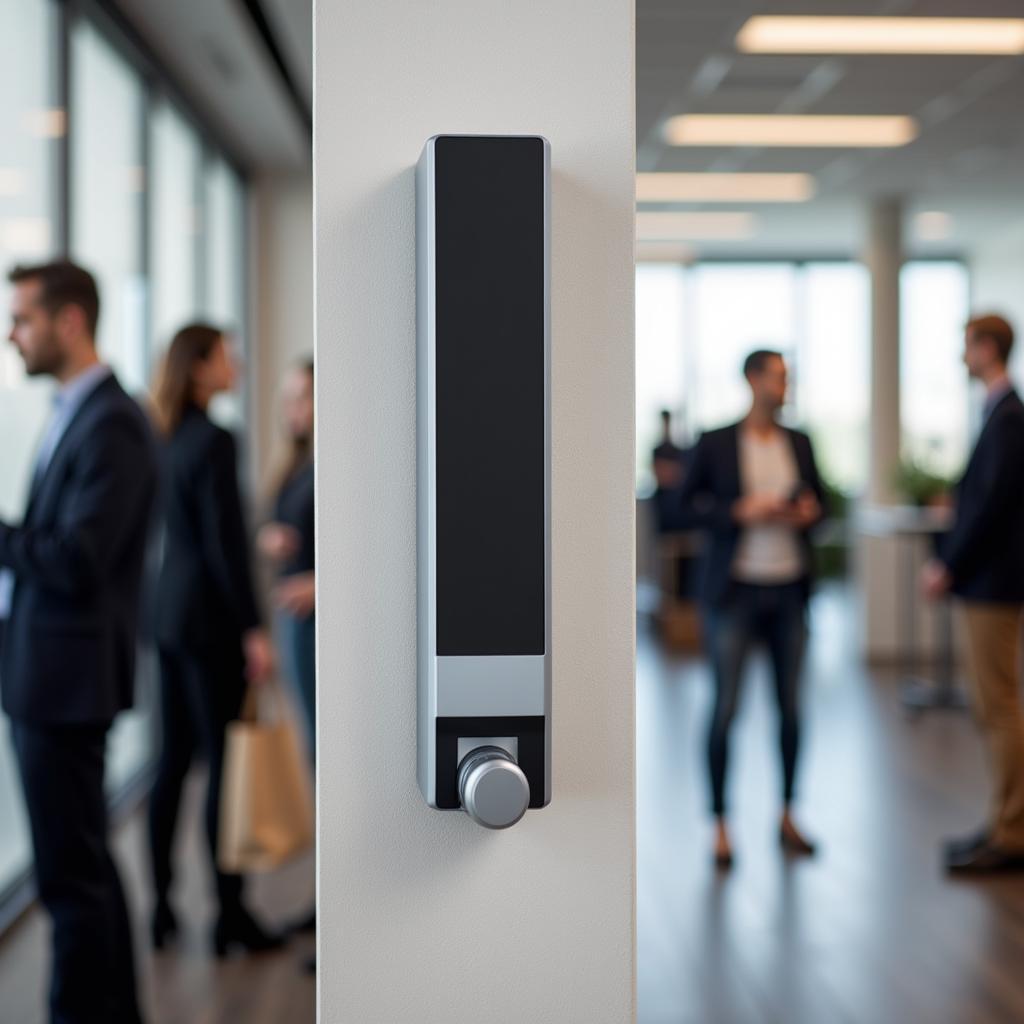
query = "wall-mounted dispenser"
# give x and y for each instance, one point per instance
(484, 480)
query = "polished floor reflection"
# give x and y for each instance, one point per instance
(185, 985)
(871, 932)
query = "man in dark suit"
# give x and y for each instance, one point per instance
(981, 561)
(69, 593)
(755, 488)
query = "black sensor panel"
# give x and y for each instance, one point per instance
(490, 302)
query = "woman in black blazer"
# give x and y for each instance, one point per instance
(208, 625)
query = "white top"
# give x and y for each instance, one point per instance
(768, 553)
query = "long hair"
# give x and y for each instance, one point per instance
(173, 392)
(300, 449)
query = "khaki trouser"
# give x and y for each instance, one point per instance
(994, 648)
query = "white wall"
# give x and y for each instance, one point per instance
(425, 917)
(282, 299)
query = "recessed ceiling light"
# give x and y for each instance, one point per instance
(830, 34)
(933, 225)
(808, 130)
(724, 188)
(699, 225)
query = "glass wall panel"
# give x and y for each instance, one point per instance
(660, 371)
(833, 379)
(933, 380)
(106, 204)
(174, 191)
(29, 127)
(223, 240)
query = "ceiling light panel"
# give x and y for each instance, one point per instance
(831, 34)
(724, 188)
(804, 130)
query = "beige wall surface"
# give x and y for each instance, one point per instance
(425, 917)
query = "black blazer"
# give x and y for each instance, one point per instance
(69, 644)
(985, 549)
(205, 596)
(711, 487)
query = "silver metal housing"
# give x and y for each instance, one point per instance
(472, 686)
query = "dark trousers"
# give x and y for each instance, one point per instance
(62, 770)
(198, 697)
(775, 617)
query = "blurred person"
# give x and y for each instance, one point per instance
(208, 624)
(981, 561)
(669, 463)
(69, 593)
(754, 486)
(288, 542)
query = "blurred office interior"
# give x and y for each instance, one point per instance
(167, 147)
(861, 260)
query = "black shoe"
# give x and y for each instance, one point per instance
(984, 860)
(792, 842)
(239, 928)
(164, 925)
(966, 844)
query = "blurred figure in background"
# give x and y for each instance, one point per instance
(669, 463)
(208, 624)
(754, 487)
(69, 598)
(288, 542)
(981, 561)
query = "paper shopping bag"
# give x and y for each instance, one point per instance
(266, 806)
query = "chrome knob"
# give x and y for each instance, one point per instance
(492, 788)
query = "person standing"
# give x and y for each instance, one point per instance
(208, 625)
(668, 462)
(754, 487)
(70, 578)
(981, 561)
(288, 542)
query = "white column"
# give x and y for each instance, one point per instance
(425, 917)
(884, 257)
(881, 561)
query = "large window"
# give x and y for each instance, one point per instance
(223, 233)
(135, 167)
(933, 380)
(696, 324)
(106, 185)
(175, 215)
(30, 128)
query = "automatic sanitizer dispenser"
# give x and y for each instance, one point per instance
(484, 481)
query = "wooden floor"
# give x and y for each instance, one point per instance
(186, 986)
(871, 932)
